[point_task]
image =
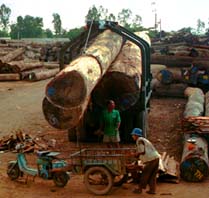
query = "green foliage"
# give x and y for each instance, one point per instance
(73, 33)
(124, 16)
(4, 33)
(27, 27)
(200, 26)
(57, 24)
(48, 33)
(4, 16)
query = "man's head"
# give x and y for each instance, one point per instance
(110, 105)
(136, 132)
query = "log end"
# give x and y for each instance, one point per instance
(67, 89)
(60, 118)
(194, 169)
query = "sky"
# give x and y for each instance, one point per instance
(173, 14)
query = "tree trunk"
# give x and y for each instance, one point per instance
(39, 74)
(122, 82)
(194, 162)
(9, 77)
(207, 104)
(195, 104)
(169, 90)
(12, 55)
(180, 61)
(74, 84)
(67, 95)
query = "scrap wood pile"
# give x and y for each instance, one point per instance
(197, 124)
(30, 144)
(24, 60)
(177, 54)
(168, 169)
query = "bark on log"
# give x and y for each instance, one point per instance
(42, 74)
(74, 83)
(67, 95)
(207, 104)
(194, 162)
(170, 75)
(122, 82)
(9, 77)
(170, 90)
(12, 55)
(155, 68)
(62, 118)
(180, 61)
(195, 104)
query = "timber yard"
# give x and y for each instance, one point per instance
(173, 109)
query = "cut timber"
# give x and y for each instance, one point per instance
(180, 61)
(207, 104)
(122, 82)
(67, 95)
(41, 74)
(19, 66)
(63, 118)
(74, 84)
(170, 90)
(12, 55)
(194, 162)
(195, 104)
(9, 77)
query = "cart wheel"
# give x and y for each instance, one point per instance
(13, 170)
(60, 179)
(120, 180)
(98, 180)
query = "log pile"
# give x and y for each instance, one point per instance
(27, 60)
(194, 164)
(178, 52)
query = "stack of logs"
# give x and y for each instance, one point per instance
(27, 60)
(177, 54)
(194, 163)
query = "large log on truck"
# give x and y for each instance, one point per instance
(68, 94)
(122, 82)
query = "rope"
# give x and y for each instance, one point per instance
(87, 39)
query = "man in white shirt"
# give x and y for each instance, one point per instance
(149, 156)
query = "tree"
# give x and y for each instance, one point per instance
(97, 14)
(48, 33)
(111, 17)
(136, 23)
(200, 26)
(4, 16)
(57, 24)
(27, 27)
(124, 16)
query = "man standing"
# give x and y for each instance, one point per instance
(149, 156)
(110, 123)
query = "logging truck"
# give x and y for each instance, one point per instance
(108, 62)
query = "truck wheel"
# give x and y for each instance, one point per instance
(98, 180)
(13, 170)
(60, 179)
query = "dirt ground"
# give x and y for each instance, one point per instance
(20, 105)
